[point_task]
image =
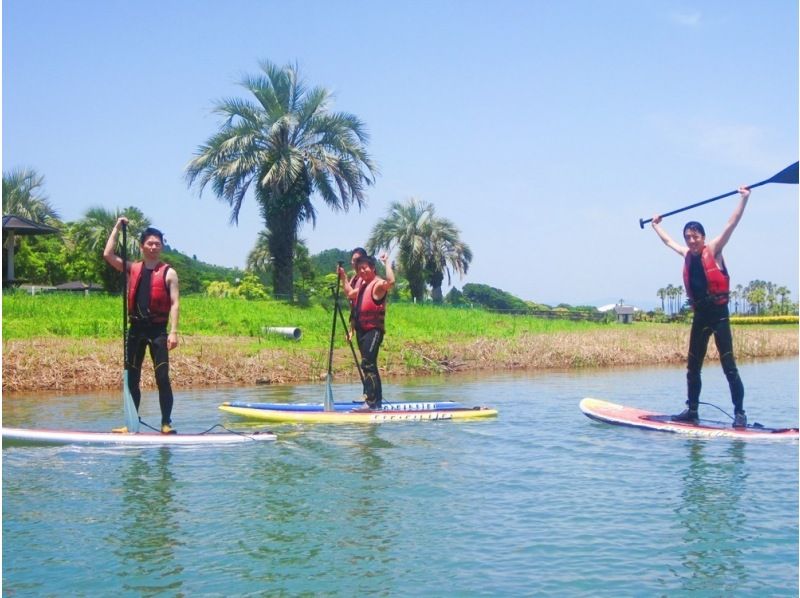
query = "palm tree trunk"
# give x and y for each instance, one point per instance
(282, 222)
(435, 281)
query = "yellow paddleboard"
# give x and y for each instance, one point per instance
(358, 417)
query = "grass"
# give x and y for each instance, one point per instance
(66, 341)
(100, 316)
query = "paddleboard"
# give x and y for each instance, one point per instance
(389, 413)
(23, 436)
(409, 406)
(612, 413)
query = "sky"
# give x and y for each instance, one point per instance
(543, 130)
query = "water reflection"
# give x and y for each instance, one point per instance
(148, 532)
(712, 518)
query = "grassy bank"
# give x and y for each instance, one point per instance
(74, 342)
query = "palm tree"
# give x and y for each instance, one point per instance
(782, 292)
(740, 296)
(428, 246)
(288, 146)
(91, 232)
(446, 251)
(670, 292)
(408, 227)
(259, 259)
(23, 195)
(661, 293)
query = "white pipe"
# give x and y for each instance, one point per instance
(288, 332)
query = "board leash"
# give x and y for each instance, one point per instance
(755, 425)
(248, 435)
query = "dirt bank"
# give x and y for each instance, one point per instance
(68, 364)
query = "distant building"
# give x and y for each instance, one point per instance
(77, 285)
(623, 312)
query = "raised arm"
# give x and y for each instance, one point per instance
(108, 253)
(717, 243)
(386, 284)
(668, 241)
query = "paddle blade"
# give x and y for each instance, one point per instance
(131, 416)
(788, 175)
(329, 393)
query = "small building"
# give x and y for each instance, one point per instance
(624, 313)
(78, 285)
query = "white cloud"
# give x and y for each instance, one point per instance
(686, 19)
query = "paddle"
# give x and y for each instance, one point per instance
(131, 415)
(788, 175)
(329, 379)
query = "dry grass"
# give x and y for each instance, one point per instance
(93, 364)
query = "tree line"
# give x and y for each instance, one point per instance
(758, 297)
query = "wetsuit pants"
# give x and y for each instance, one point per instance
(369, 343)
(708, 320)
(154, 336)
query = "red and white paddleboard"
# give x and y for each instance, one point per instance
(620, 415)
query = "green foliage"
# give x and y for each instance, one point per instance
(490, 297)
(194, 275)
(251, 288)
(74, 315)
(221, 289)
(454, 297)
(326, 261)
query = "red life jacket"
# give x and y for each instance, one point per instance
(159, 292)
(355, 283)
(370, 314)
(717, 279)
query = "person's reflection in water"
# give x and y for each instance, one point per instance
(148, 532)
(713, 520)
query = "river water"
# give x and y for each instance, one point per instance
(540, 501)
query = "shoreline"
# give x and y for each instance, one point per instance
(62, 364)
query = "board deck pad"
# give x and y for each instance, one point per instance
(613, 413)
(26, 436)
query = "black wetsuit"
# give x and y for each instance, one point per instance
(709, 318)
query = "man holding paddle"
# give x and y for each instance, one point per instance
(707, 288)
(152, 293)
(369, 299)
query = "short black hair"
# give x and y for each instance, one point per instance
(360, 251)
(695, 226)
(366, 258)
(151, 232)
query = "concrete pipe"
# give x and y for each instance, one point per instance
(288, 332)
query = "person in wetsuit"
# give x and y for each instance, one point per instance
(707, 283)
(369, 299)
(152, 305)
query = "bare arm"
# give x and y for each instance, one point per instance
(668, 241)
(174, 308)
(716, 244)
(108, 253)
(384, 285)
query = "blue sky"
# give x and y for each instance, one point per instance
(544, 130)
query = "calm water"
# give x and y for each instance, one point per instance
(541, 501)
